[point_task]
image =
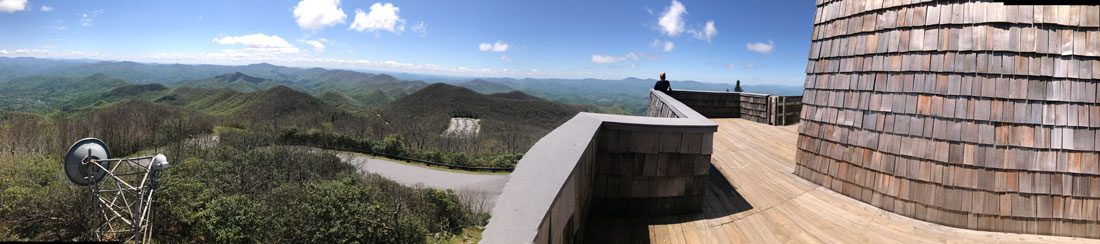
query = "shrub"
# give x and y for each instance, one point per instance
(38, 203)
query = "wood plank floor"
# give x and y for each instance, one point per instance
(753, 197)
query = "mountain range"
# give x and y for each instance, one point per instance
(360, 88)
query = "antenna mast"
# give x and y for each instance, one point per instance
(120, 190)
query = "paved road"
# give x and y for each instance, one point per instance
(474, 189)
(482, 187)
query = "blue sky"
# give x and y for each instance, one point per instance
(758, 42)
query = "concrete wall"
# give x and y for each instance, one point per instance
(967, 114)
(605, 164)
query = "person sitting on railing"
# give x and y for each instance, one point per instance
(663, 85)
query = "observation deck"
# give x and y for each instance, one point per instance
(589, 181)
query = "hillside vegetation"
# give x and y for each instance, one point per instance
(247, 186)
(236, 81)
(43, 94)
(511, 122)
(237, 191)
(369, 90)
(628, 93)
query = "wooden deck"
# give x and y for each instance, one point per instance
(753, 197)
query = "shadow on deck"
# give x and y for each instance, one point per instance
(720, 200)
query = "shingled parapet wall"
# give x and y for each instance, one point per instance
(760, 108)
(600, 164)
(968, 114)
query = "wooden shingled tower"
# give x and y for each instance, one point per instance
(970, 114)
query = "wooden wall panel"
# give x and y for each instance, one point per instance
(969, 114)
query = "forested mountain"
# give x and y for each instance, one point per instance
(630, 93)
(279, 106)
(164, 73)
(41, 94)
(335, 98)
(513, 119)
(367, 89)
(236, 81)
(16, 67)
(484, 86)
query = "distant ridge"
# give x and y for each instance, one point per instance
(484, 86)
(279, 105)
(238, 76)
(515, 95)
(133, 90)
(370, 90)
(237, 81)
(43, 93)
(335, 98)
(514, 112)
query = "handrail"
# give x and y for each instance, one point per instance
(761, 108)
(684, 111)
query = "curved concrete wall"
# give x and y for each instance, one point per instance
(968, 114)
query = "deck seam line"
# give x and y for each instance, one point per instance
(769, 207)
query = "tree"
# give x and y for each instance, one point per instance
(737, 88)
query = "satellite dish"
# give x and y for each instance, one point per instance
(160, 162)
(77, 162)
(120, 190)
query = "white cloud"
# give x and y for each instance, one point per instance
(648, 10)
(748, 64)
(760, 47)
(649, 57)
(22, 51)
(672, 20)
(708, 32)
(671, 23)
(87, 17)
(317, 45)
(666, 46)
(421, 28)
(505, 58)
(259, 43)
(45, 8)
(381, 17)
(632, 56)
(314, 15)
(12, 6)
(495, 47)
(600, 59)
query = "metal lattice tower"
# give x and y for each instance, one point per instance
(120, 190)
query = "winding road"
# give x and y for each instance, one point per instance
(477, 190)
(483, 189)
